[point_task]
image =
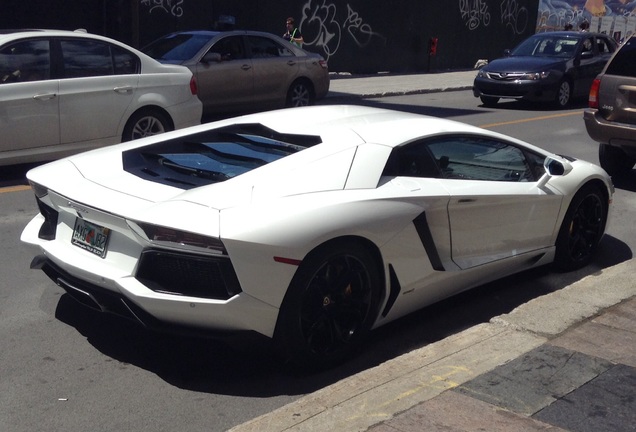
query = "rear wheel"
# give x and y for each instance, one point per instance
(564, 94)
(330, 306)
(146, 123)
(489, 101)
(582, 229)
(300, 93)
(614, 160)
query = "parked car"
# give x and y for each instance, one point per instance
(308, 225)
(62, 92)
(245, 70)
(611, 116)
(550, 67)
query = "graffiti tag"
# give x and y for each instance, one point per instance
(172, 7)
(474, 13)
(514, 16)
(319, 18)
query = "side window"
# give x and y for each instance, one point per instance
(604, 46)
(474, 158)
(25, 61)
(412, 160)
(86, 58)
(126, 63)
(229, 48)
(624, 60)
(262, 47)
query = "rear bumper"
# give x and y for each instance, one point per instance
(606, 132)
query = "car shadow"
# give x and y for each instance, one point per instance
(247, 366)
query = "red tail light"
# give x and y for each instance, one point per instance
(593, 99)
(323, 64)
(193, 86)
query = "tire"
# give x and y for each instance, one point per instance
(146, 123)
(564, 94)
(489, 101)
(300, 93)
(582, 229)
(614, 160)
(331, 304)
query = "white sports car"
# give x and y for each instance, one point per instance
(311, 226)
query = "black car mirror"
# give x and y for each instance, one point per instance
(507, 52)
(587, 55)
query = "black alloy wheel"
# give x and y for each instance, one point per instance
(582, 229)
(330, 306)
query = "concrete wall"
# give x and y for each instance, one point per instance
(358, 36)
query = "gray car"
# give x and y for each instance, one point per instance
(245, 70)
(611, 116)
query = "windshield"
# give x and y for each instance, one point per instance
(177, 47)
(213, 156)
(546, 46)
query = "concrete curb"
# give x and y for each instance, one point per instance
(375, 395)
(398, 85)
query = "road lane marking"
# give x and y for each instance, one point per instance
(14, 188)
(526, 120)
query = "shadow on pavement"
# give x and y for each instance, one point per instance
(247, 366)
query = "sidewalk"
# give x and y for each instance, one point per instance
(395, 85)
(565, 361)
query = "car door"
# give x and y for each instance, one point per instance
(227, 82)
(95, 90)
(496, 209)
(29, 116)
(275, 68)
(594, 53)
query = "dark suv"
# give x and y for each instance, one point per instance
(611, 116)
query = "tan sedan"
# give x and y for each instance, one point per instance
(245, 70)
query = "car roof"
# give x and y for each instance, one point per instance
(568, 34)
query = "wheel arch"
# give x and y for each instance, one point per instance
(147, 109)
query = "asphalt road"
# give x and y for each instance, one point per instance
(65, 368)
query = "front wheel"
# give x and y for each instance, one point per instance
(582, 229)
(564, 94)
(300, 94)
(146, 123)
(331, 304)
(614, 160)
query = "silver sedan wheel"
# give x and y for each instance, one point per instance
(300, 94)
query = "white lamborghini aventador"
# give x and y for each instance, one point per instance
(311, 226)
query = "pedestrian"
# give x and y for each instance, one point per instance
(584, 26)
(293, 34)
(568, 27)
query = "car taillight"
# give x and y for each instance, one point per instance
(593, 99)
(193, 86)
(323, 63)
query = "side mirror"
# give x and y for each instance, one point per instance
(211, 57)
(506, 52)
(555, 166)
(587, 55)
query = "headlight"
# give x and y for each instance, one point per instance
(482, 74)
(534, 76)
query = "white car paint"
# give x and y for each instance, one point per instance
(272, 217)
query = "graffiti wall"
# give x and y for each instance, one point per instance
(363, 36)
(358, 36)
(614, 17)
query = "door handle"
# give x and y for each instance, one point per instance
(44, 96)
(246, 67)
(123, 89)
